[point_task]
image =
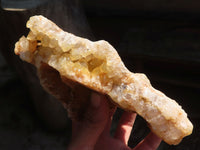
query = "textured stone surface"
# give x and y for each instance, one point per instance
(98, 66)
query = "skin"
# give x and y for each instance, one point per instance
(93, 133)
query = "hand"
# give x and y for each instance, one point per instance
(93, 133)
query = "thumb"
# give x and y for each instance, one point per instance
(87, 131)
(96, 115)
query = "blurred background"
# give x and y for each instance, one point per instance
(160, 38)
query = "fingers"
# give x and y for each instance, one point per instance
(87, 131)
(106, 130)
(151, 142)
(97, 113)
(124, 127)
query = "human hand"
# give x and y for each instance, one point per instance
(93, 132)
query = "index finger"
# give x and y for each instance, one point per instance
(125, 126)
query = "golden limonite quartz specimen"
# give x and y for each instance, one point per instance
(65, 61)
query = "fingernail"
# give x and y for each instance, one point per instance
(95, 100)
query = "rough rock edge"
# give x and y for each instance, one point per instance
(130, 91)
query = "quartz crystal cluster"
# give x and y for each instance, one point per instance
(97, 66)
